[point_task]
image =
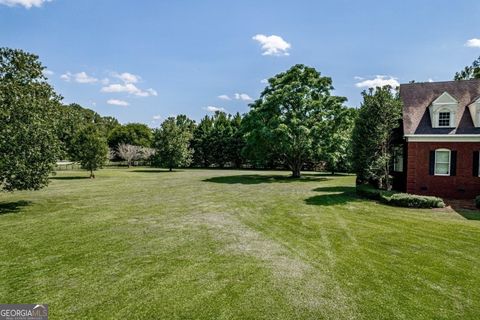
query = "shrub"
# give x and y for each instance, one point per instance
(477, 202)
(400, 199)
(414, 201)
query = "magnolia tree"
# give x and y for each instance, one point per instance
(378, 117)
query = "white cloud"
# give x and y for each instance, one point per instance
(243, 97)
(47, 72)
(67, 76)
(26, 3)
(378, 81)
(129, 88)
(430, 80)
(105, 81)
(152, 92)
(117, 102)
(214, 109)
(224, 97)
(473, 43)
(81, 77)
(272, 45)
(127, 77)
(157, 117)
(264, 81)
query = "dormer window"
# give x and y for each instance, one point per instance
(444, 119)
(443, 111)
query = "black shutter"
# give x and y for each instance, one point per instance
(453, 163)
(431, 168)
(475, 163)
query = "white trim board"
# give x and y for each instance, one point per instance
(442, 137)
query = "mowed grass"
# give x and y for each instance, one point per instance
(224, 244)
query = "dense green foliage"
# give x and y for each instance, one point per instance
(469, 72)
(90, 148)
(28, 145)
(137, 134)
(172, 142)
(399, 199)
(334, 142)
(218, 141)
(378, 117)
(294, 118)
(231, 244)
(72, 118)
(477, 202)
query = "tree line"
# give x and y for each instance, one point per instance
(297, 123)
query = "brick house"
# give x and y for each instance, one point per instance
(439, 150)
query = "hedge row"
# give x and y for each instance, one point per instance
(400, 199)
(477, 202)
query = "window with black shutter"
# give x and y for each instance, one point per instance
(453, 163)
(431, 168)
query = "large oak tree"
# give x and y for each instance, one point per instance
(290, 115)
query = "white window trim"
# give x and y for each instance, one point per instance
(449, 163)
(450, 114)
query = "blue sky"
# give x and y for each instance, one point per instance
(142, 61)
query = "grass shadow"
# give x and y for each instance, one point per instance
(13, 207)
(70, 178)
(464, 207)
(469, 214)
(332, 196)
(154, 171)
(258, 179)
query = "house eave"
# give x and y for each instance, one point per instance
(442, 137)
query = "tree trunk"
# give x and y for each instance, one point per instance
(295, 173)
(92, 175)
(296, 167)
(170, 169)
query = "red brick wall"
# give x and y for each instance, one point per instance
(420, 182)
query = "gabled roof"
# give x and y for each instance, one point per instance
(417, 97)
(445, 98)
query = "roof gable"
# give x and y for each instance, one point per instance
(445, 98)
(418, 97)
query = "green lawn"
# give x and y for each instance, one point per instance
(224, 244)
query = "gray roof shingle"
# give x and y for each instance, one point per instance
(417, 97)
